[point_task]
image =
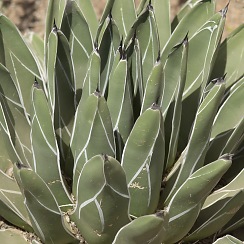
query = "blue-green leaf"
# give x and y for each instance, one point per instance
(46, 157)
(92, 133)
(192, 193)
(192, 158)
(102, 199)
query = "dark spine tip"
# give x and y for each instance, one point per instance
(219, 81)
(155, 106)
(185, 40)
(134, 36)
(97, 93)
(121, 43)
(123, 55)
(224, 11)
(20, 165)
(149, 6)
(160, 214)
(122, 50)
(159, 56)
(36, 84)
(55, 28)
(105, 157)
(96, 46)
(227, 156)
(110, 15)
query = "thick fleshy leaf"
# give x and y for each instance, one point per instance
(18, 59)
(235, 140)
(145, 30)
(92, 133)
(15, 123)
(65, 103)
(76, 29)
(230, 57)
(46, 157)
(135, 75)
(174, 83)
(107, 49)
(145, 229)
(230, 106)
(192, 193)
(5, 145)
(52, 47)
(89, 14)
(12, 236)
(154, 87)
(236, 185)
(172, 74)
(102, 199)
(92, 78)
(12, 206)
(124, 14)
(8, 153)
(185, 9)
(55, 13)
(120, 99)
(192, 158)
(236, 222)
(208, 223)
(43, 208)
(147, 35)
(218, 209)
(228, 239)
(198, 15)
(231, 112)
(36, 45)
(198, 70)
(106, 12)
(162, 15)
(237, 165)
(143, 161)
(61, 88)
(224, 193)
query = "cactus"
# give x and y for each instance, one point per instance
(127, 129)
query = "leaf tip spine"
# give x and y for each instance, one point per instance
(224, 11)
(160, 214)
(110, 15)
(55, 28)
(149, 6)
(96, 46)
(122, 49)
(97, 93)
(36, 84)
(185, 40)
(219, 80)
(155, 106)
(227, 156)
(159, 56)
(20, 165)
(105, 157)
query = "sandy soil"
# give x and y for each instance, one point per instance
(30, 14)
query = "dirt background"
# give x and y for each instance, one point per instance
(30, 14)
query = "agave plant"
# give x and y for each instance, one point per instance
(124, 130)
